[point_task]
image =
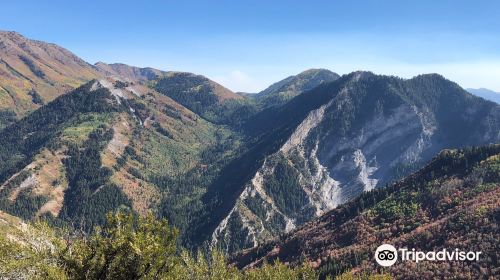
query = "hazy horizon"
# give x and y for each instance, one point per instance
(246, 46)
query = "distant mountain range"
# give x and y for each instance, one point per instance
(486, 94)
(228, 170)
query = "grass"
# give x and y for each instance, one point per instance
(8, 223)
(5, 99)
(163, 155)
(79, 128)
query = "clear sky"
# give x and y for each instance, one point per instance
(247, 45)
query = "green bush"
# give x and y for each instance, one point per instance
(126, 247)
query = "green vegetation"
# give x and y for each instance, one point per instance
(233, 112)
(191, 167)
(183, 201)
(450, 203)
(32, 66)
(29, 253)
(180, 160)
(392, 209)
(25, 205)
(283, 91)
(202, 96)
(78, 129)
(7, 116)
(126, 247)
(358, 102)
(120, 84)
(90, 195)
(77, 123)
(284, 188)
(22, 140)
(35, 97)
(192, 91)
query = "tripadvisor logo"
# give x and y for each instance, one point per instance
(387, 255)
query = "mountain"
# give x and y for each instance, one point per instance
(139, 139)
(134, 138)
(280, 92)
(223, 167)
(109, 145)
(127, 72)
(46, 152)
(453, 202)
(34, 72)
(199, 94)
(486, 94)
(341, 139)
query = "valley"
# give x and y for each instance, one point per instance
(310, 167)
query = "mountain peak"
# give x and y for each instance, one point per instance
(430, 76)
(190, 82)
(11, 35)
(314, 71)
(286, 89)
(34, 72)
(303, 81)
(127, 72)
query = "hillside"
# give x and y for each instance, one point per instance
(110, 144)
(148, 151)
(220, 166)
(128, 73)
(451, 203)
(280, 92)
(33, 73)
(56, 146)
(11, 226)
(117, 142)
(145, 146)
(341, 139)
(204, 97)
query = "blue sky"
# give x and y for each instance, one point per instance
(247, 45)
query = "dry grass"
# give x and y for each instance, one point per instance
(144, 196)
(47, 178)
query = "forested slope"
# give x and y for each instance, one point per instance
(451, 203)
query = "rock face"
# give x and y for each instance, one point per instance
(373, 130)
(34, 72)
(451, 203)
(222, 167)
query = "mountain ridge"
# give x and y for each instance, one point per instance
(280, 92)
(326, 167)
(486, 94)
(33, 72)
(427, 210)
(127, 72)
(227, 169)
